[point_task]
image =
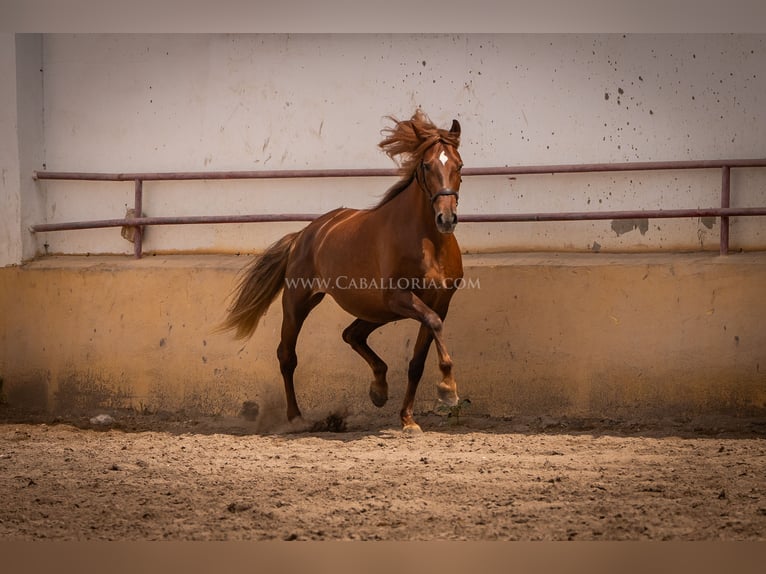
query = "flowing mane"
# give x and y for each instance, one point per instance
(406, 142)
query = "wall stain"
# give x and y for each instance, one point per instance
(84, 391)
(29, 393)
(622, 226)
(708, 222)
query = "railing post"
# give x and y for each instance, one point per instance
(138, 210)
(725, 203)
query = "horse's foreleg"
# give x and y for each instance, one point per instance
(356, 335)
(414, 374)
(410, 305)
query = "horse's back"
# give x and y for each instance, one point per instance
(312, 240)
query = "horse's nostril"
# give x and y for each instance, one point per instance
(440, 219)
(454, 219)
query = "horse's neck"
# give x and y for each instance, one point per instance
(408, 223)
(410, 209)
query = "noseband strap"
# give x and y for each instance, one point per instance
(443, 193)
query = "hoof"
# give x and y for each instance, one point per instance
(412, 429)
(378, 398)
(296, 425)
(447, 396)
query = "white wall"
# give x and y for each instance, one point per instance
(214, 102)
(10, 214)
(21, 144)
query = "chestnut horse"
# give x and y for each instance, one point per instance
(396, 260)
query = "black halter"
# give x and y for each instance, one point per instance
(420, 171)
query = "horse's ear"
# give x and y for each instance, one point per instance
(455, 129)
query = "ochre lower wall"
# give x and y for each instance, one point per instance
(548, 335)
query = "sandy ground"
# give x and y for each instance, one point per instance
(142, 478)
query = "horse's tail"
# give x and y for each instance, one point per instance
(259, 285)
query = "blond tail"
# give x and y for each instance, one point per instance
(260, 284)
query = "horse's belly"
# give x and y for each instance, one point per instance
(364, 303)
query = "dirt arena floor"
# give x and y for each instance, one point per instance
(153, 478)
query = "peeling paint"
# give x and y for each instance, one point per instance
(622, 226)
(708, 222)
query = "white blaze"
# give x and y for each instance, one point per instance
(443, 158)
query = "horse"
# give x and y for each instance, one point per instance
(396, 260)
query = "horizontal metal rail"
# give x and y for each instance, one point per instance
(470, 218)
(178, 220)
(341, 173)
(138, 223)
(214, 175)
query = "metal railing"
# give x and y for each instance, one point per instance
(138, 222)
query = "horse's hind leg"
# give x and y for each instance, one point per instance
(296, 305)
(356, 335)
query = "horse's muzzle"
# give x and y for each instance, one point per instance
(446, 221)
(445, 207)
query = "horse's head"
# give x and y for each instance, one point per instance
(439, 175)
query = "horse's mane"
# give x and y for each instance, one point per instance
(406, 142)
